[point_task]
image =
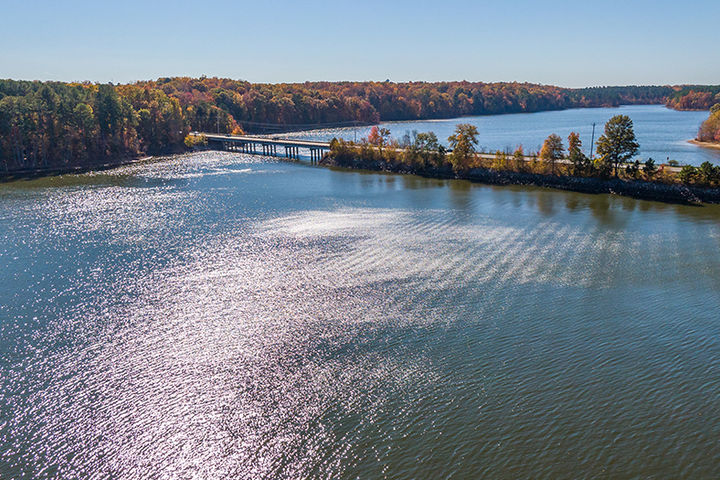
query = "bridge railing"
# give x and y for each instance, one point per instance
(270, 128)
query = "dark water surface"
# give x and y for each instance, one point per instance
(221, 316)
(663, 133)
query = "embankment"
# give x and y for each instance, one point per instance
(672, 193)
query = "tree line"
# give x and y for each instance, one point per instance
(616, 151)
(55, 124)
(694, 97)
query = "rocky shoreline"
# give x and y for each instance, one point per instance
(669, 193)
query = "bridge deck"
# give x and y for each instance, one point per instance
(265, 140)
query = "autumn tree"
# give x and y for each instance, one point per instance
(618, 144)
(463, 143)
(552, 151)
(575, 155)
(519, 158)
(46, 124)
(378, 137)
(710, 128)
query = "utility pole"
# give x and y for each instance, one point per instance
(592, 142)
(217, 117)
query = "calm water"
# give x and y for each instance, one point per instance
(221, 316)
(661, 132)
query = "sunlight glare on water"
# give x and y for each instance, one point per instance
(217, 315)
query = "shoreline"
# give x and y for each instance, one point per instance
(705, 144)
(29, 174)
(639, 189)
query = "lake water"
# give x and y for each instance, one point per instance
(662, 133)
(224, 316)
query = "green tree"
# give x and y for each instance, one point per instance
(463, 143)
(575, 155)
(618, 144)
(708, 173)
(649, 168)
(633, 169)
(427, 146)
(552, 151)
(687, 174)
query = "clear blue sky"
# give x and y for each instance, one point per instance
(578, 43)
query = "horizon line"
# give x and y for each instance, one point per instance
(130, 82)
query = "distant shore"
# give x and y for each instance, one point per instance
(705, 144)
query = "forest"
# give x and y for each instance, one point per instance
(54, 124)
(694, 97)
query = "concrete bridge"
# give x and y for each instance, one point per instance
(266, 145)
